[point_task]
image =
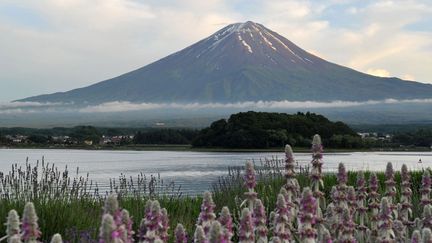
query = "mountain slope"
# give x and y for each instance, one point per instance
(242, 62)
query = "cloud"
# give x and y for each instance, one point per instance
(30, 107)
(378, 72)
(123, 106)
(13, 105)
(408, 77)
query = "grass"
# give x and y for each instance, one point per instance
(72, 206)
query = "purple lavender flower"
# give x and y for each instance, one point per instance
(282, 220)
(216, 234)
(289, 162)
(276, 239)
(12, 224)
(207, 215)
(373, 183)
(250, 183)
(425, 188)
(260, 221)
(180, 234)
(291, 201)
(342, 197)
(352, 199)
(317, 147)
(331, 216)
(142, 230)
(400, 231)
(246, 228)
(390, 183)
(361, 197)
(154, 218)
(316, 172)
(416, 237)
(199, 235)
(307, 216)
(107, 231)
(361, 186)
(292, 186)
(342, 176)
(127, 223)
(164, 225)
(406, 195)
(427, 216)
(385, 223)
(15, 239)
(57, 239)
(348, 227)
(153, 223)
(426, 235)
(30, 227)
(226, 221)
(326, 236)
(111, 205)
(374, 202)
(405, 175)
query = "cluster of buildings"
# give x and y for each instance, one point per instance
(17, 138)
(115, 140)
(67, 140)
(375, 136)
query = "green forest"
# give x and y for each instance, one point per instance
(266, 130)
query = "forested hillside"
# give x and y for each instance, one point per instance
(264, 130)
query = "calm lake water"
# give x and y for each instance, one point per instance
(194, 171)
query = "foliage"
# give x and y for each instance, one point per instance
(165, 136)
(421, 137)
(83, 133)
(39, 139)
(264, 130)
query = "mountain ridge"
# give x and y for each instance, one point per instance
(241, 62)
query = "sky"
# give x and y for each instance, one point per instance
(48, 46)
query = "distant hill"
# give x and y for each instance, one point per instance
(267, 129)
(241, 62)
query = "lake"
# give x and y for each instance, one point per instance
(194, 171)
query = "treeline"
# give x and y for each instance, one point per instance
(65, 131)
(420, 138)
(391, 128)
(51, 136)
(265, 130)
(165, 136)
(97, 135)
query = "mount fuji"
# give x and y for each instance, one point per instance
(242, 62)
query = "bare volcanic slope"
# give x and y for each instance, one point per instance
(242, 62)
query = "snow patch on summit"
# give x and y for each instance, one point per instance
(244, 43)
(283, 44)
(264, 38)
(255, 34)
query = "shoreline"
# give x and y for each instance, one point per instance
(189, 148)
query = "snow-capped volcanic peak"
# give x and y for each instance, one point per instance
(255, 39)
